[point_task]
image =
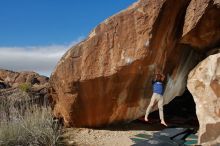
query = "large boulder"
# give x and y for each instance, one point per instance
(202, 25)
(204, 84)
(107, 77)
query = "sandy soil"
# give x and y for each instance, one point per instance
(117, 135)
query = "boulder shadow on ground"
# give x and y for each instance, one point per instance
(180, 112)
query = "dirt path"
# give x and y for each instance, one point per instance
(118, 135)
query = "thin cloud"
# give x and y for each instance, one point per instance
(41, 59)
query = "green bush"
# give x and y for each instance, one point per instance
(25, 87)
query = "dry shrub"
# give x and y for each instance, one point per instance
(24, 123)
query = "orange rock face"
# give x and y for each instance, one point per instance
(204, 84)
(107, 77)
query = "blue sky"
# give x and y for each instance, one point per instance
(50, 22)
(34, 34)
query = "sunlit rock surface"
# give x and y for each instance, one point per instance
(24, 87)
(204, 84)
(14, 79)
